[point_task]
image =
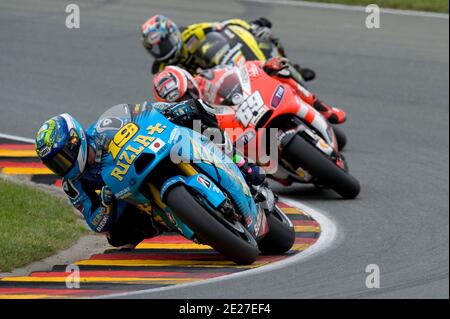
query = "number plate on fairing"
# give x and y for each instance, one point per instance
(251, 110)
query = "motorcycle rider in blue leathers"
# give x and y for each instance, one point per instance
(74, 154)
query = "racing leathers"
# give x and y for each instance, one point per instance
(126, 225)
(285, 72)
(194, 35)
(175, 84)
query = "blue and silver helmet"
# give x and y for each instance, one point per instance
(62, 146)
(162, 38)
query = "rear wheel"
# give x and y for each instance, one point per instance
(281, 236)
(231, 240)
(302, 154)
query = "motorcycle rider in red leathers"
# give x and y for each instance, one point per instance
(175, 84)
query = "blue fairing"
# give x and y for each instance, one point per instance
(152, 135)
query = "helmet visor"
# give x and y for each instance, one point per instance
(65, 159)
(165, 49)
(229, 90)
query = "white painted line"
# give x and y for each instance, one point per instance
(334, 6)
(329, 238)
(16, 138)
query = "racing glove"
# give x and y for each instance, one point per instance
(283, 68)
(253, 174)
(277, 66)
(107, 197)
(262, 22)
(180, 113)
(261, 28)
(186, 112)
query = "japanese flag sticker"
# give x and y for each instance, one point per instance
(157, 145)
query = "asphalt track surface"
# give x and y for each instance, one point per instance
(393, 82)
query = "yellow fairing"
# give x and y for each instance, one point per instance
(237, 22)
(248, 39)
(195, 33)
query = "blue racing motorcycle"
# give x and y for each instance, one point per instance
(191, 187)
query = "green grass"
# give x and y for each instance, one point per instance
(33, 225)
(422, 5)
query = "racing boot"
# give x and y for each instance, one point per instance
(332, 114)
(307, 74)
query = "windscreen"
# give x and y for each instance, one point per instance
(226, 87)
(114, 118)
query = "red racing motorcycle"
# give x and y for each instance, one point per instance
(252, 105)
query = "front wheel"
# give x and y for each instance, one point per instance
(239, 246)
(281, 236)
(302, 154)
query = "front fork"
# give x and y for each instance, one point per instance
(264, 198)
(266, 202)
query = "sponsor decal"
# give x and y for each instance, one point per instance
(44, 151)
(102, 223)
(253, 71)
(216, 189)
(220, 54)
(157, 145)
(169, 184)
(191, 43)
(239, 59)
(229, 34)
(70, 190)
(232, 56)
(129, 153)
(278, 96)
(123, 193)
(244, 75)
(246, 138)
(109, 123)
(96, 220)
(204, 182)
(172, 219)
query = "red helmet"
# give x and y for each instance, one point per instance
(174, 84)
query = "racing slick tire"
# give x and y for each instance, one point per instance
(281, 236)
(240, 248)
(301, 153)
